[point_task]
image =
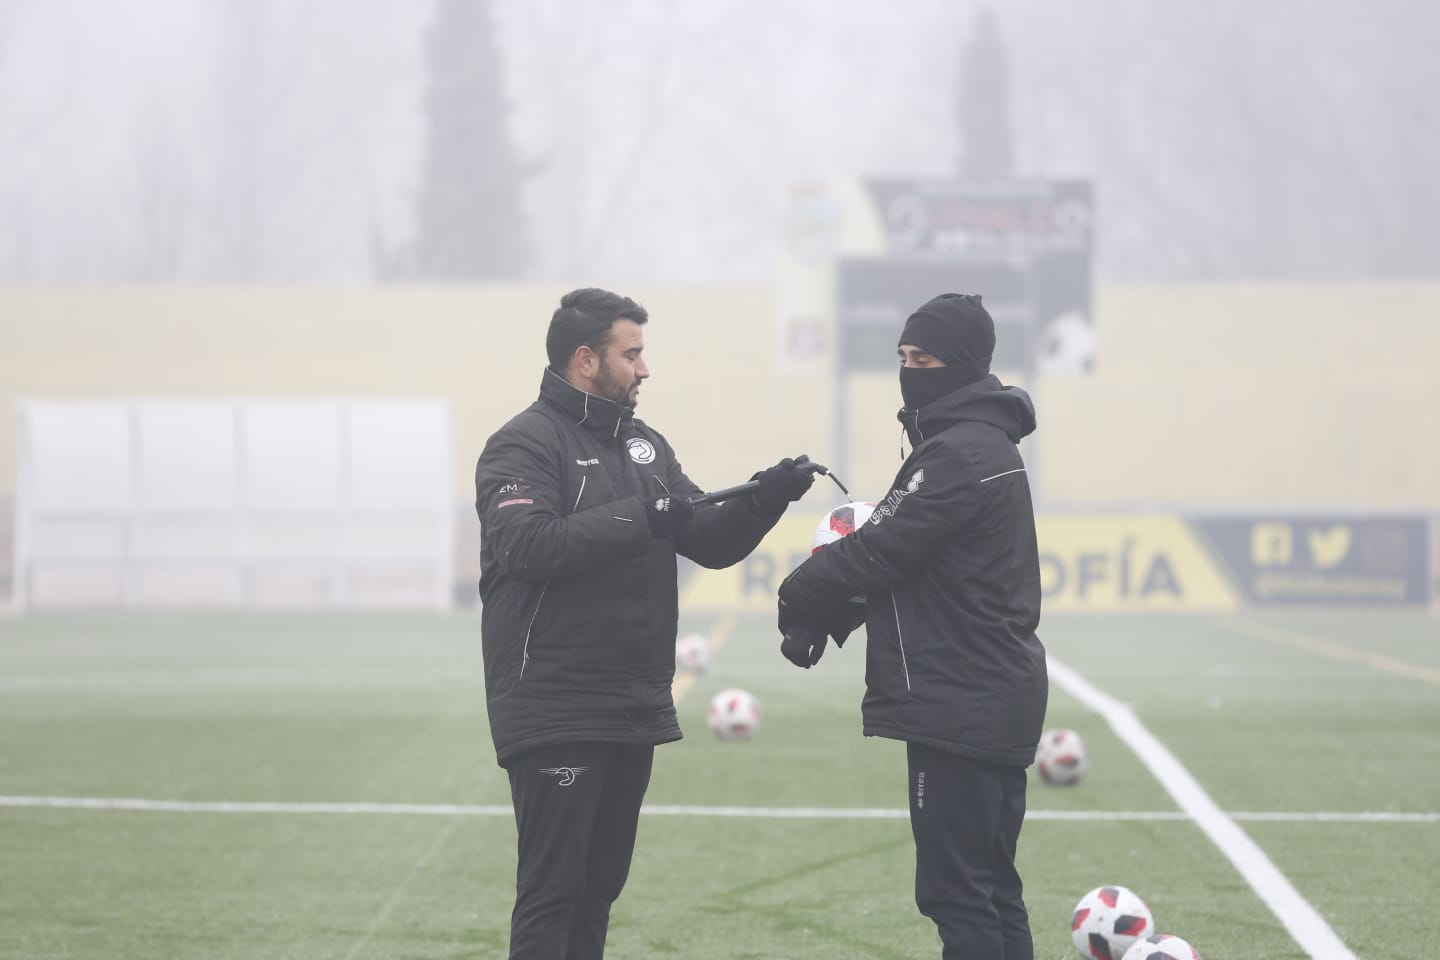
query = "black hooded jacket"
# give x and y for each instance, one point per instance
(579, 603)
(950, 570)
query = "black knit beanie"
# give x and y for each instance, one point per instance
(956, 329)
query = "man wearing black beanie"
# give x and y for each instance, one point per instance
(956, 331)
(950, 572)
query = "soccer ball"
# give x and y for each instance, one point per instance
(844, 519)
(734, 714)
(1161, 946)
(1066, 345)
(1107, 921)
(692, 654)
(1060, 758)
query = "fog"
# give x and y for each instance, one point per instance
(641, 141)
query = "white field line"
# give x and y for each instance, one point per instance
(1302, 920)
(660, 810)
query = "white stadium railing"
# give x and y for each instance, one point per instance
(234, 503)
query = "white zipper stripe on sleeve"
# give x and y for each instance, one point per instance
(1005, 474)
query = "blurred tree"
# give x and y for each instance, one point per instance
(19, 134)
(14, 247)
(1250, 143)
(158, 192)
(239, 184)
(271, 192)
(986, 145)
(256, 170)
(469, 224)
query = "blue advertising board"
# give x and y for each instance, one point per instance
(1372, 560)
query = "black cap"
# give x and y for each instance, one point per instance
(955, 328)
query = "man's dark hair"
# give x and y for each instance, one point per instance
(584, 319)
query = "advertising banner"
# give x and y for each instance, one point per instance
(751, 584)
(875, 295)
(1154, 562)
(1044, 226)
(1102, 563)
(1025, 245)
(1117, 562)
(1433, 561)
(1324, 558)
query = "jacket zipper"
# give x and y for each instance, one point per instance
(900, 640)
(525, 650)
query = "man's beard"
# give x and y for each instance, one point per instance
(612, 389)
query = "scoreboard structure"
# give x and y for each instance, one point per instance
(860, 254)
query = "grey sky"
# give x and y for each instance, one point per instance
(1282, 139)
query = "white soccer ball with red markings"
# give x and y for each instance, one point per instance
(1107, 922)
(734, 714)
(692, 654)
(843, 520)
(1061, 758)
(1161, 946)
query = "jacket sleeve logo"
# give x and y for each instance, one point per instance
(513, 486)
(888, 506)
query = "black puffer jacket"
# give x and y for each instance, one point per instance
(579, 603)
(950, 570)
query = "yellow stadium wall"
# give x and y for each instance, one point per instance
(1299, 396)
(1225, 397)
(481, 348)
(1207, 396)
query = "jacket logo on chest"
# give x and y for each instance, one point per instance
(641, 450)
(592, 462)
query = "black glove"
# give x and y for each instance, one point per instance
(844, 622)
(802, 638)
(803, 643)
(668, 514)
(782, 484)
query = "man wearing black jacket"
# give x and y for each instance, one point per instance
(950, 573)
(583, 509)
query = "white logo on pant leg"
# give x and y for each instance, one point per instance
(641, 450)
(565, 775)
(920, 791)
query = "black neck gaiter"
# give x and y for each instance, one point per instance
(922, 385)
(957, 330)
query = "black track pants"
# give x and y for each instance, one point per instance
(577, 807)
(966, 818)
